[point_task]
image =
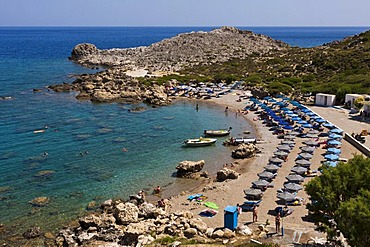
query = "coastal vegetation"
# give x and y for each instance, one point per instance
(338, 68)
(340, 200)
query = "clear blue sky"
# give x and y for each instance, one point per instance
(184, 12)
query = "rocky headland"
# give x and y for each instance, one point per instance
(182, 51)
(167, 56)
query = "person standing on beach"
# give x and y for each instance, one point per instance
(255, 214)
(277, 222)
(239, 209)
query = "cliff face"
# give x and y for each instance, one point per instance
(184, 50)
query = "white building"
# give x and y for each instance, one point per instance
(350, 98)
(323, 99)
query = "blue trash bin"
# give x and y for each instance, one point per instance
(231, 217)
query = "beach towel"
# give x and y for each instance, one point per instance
(208, 213)
(192, 197)
(211, 205)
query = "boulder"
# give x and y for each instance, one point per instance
(218, 234)
(198, 224)
(82, 50)
(244, 151)
(228, 233)
(190, 232)
(143, 240)
(126, 213)
(244, 230)
(33, 232)
(148, 210)
(185, 168)
(90, 221)
(40, 201)
(225, 173)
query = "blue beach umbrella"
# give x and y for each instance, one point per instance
(267, 98)
(288, 111)
(334, 150)
(305, 110)
(292, 115)
(285, 109)
(315, 117)
(286, 98)
(336, 131)
(307, 125)
(272, 100)
(335, 136)
(296, 119)
(310, 114)
(288, 127)
(331, 157)
(320, 120)
(302, 122)
(328, 125)
(334, 142)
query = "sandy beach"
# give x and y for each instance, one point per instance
(297, 226)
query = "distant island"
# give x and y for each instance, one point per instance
(222, 55)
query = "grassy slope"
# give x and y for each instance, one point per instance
(336, 68)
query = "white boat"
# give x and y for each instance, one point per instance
(199, 142)
(220, 132)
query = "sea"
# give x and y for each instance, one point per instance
(79, 157)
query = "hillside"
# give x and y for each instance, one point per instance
(224, 55)
(181, 51)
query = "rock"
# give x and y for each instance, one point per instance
(126, 213)
(49, 235)
(218, 234)
(143, 240)
(138, 109)
(91, 205)
(244, 230)
(82, 50)
(190, 232)
(185, 168)
(209, 232)
(244, 151)
(40, 201)
(148, 210)
(225, 173)
(90, 221)
(198, 224)
(33, 232)
(43, 174)
(228, 233)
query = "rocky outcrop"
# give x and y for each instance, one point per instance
(189, 169)
(113, 85)
(111, 228)
(184, 50)
(225, 173)
(244, 151)
(40, 201)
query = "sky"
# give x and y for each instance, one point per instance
(184, 13)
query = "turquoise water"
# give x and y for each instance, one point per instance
(37, 57)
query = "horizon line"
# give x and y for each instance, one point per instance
(136, 26)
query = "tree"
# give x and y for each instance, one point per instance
(340, 200)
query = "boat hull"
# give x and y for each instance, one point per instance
(217, 132)
(199, 142)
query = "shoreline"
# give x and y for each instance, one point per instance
(230, 192)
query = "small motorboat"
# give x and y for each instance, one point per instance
(199, 142)
(220, 132)
(38, 131)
